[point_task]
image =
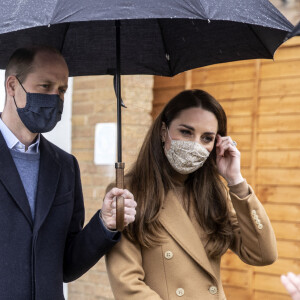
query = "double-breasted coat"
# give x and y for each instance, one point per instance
(36, 256)
(179, 268)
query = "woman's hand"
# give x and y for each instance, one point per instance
(292, 284)
(228, 160)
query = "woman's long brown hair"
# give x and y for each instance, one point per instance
(150, 180)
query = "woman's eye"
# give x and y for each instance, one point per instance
(185, 132)
(207, 139)
(45, 86)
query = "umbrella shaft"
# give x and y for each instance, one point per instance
(118, 90)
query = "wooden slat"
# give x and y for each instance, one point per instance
(288, 249)
(239, 124)
(156, 110)
(229, 74)
(237, 107)
(279, 105)
(232, 90)
(279, 123)
(162, 82)
(222, 66)
(254, 123)
(246, 159)
(283, 212)
(258, 295)
(279, 176)
(246, 172)
(231, 261)
(281, 266)
(243, 140)
(289, 231)
(288, 51)
(295, 41)
(234, 293)
(280, 69)
(280, 87)
(279, 159)
(278, 141)
(278, 194)
(163, 96)
(268, 283)
(235, 278)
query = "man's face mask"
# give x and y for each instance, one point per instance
(41, 112)
(185, 156)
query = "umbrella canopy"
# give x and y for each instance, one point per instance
(162, 37)
(295, 32)
(156, 37)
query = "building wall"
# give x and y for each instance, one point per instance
(262, 102)
(94, 102)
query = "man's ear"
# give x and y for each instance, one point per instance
(10, 85)
(163, 132)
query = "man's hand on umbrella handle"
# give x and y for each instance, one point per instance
(292, 284)
(108, 211)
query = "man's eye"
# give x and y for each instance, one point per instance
(45, 86)
(62, 91)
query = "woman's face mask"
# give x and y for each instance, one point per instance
(186, 156)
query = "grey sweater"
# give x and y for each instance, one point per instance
(28, 168)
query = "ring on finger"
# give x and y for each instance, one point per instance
(234, 143)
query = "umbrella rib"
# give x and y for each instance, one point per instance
(258, 37)
(64, 37)
(165, 47)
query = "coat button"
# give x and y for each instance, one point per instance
(168, 254)
(260, 226)
(257, 221)
(180, 292)
(213, 289)
(253, 212)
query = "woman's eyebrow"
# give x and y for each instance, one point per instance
(187, 126)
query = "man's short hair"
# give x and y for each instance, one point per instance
(20, 63)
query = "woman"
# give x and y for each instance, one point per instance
(186, 218)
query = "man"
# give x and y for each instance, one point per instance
(42, 239)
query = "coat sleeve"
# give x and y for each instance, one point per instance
(126, 273)
(254, 239)
(84, 246)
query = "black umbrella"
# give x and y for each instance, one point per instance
(142, 37)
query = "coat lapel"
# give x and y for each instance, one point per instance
(47, 183)
(10, 178)
(178, 224)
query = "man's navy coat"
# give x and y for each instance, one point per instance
(37, 256)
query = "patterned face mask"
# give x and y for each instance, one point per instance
(185, 156)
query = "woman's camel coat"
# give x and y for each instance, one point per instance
(180, 267)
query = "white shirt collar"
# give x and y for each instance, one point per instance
(13, 142)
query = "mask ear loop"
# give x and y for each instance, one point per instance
(21, 84)
(22, 88)
(169, 134)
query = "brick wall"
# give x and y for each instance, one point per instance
(94, 102)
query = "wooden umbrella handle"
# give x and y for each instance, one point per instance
(120, 200)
